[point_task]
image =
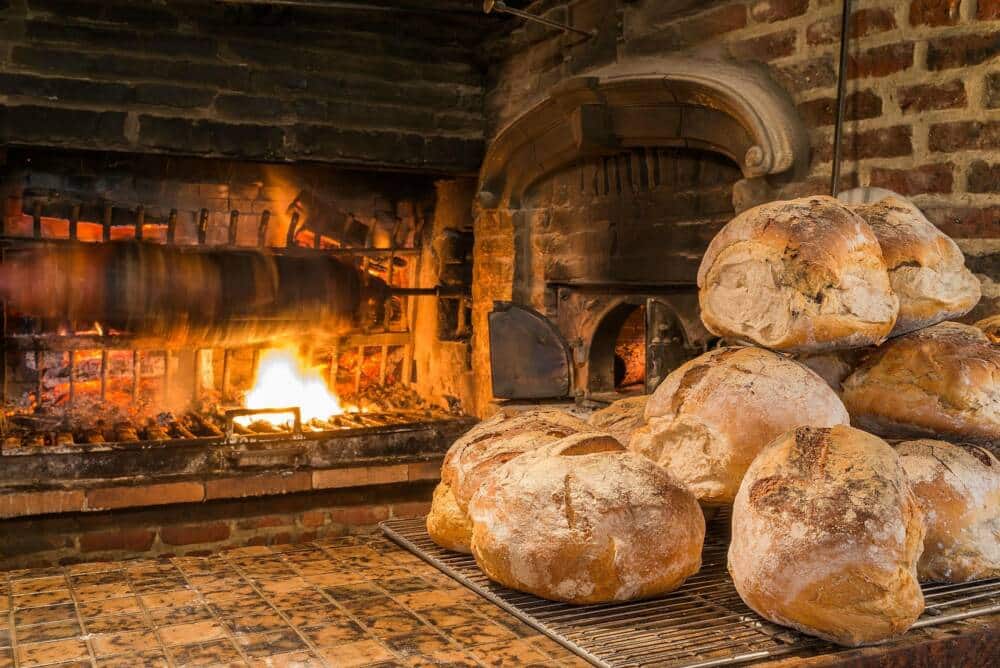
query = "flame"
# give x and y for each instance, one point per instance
(284, 381)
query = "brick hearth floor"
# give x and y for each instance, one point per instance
(353, 601)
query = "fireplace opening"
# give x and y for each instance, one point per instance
(618, 351)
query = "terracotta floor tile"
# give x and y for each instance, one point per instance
(93, 567)
(169, 599)
(256, 623)
(419, 643)
(313, 567)
(337, 579)
(251, 551)
(102, 591)
(445, 659)
(482, 633)
(6, 657)
(45, 632)
(254, 605)
(183, 615)
(335, 632)
(38, 584)
(151, 659)
(41, 598)
(100, 578)
(391, 625)
(314, 616)
(355, 654)
(283, 586)
(292, 660)
(516, 653)
(354, 592)
(4, 602)
(50, 613)
(40, 654)
(191, 633)
(5, 637)
(109, 607)
(124, 642)
(116, 623)
(452, 615)
(374, 607)
(301, 598)
(257, 645)
(206, 654)
(215, 583)
(240, 591)
(404, 585)
(158, 586)
(431, 598)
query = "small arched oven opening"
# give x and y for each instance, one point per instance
(618, 351)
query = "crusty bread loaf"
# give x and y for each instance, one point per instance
(990, 327)
(939, 382)
(826, 536)
(477, 454)
(804, 275)
(710, 417)
(584, 521)
(620, 418)
(835, 366)
(447, 524)
(958, 488)
(926, 268)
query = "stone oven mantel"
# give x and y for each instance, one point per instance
(732, 109)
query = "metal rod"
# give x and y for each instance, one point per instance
(172, 226)
(74, 217)
(838, 127)
(265, 217)
(293, 225)
(36, 220)
(500, 6)
(106, 222)
(202, 226)
(140, 220)
(234, 226)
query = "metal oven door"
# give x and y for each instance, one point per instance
(528, 356)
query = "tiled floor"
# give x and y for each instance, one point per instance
(356, 601)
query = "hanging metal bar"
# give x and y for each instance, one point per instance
(140, 220)
(293, 226)
(74, 217)
(838, 127)
(489, 6)
(234, 226)
(104, 375)
(265, 217)
(202, 226)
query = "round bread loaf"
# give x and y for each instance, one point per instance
(584, 521)
(804, 275)
(958, 488)
(620, 418)
(710, 417)
(943, 382)
(447, 524)
(926, 268)
(826, 536)
(991, 327)
(477, 454)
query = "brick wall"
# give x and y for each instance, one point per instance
(272, 83)
(194, 529)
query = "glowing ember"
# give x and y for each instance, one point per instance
(283, 380)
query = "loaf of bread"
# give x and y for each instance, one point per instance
(991, 327)
(826, 536)
(804, 275)
(620, 418)
(584, 521)
(710, 417)
(926, 268)
(939, 382)
(477, 454)
(958, 488)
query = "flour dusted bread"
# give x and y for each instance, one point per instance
(584, 521)
(939, 382)
(958, 489)
(926, 268)
(620, 418)
(990, 327)
(804, 275)
(826, 536)
(477, 454)
(710, 417)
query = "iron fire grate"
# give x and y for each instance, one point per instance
(702, 624)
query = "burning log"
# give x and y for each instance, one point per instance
(191, 295)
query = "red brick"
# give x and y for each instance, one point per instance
(924, 179)
(964, 135)
(769, 11)
(193, 534)
(984, 177)
(107, 498)
(934, 12)
(864, 22)
(859, 105)
(357, 516)
(411, 509)
(20, 504)
(133, 540)
(359, 476)
(925, 97)
(809, 74)
(313, 518)
(765, 48)
(264, 522)
(891, 142)
(991, 98)
(989, 10)
(259, 485)
(880, 61)
(966, 222)
(962, 50)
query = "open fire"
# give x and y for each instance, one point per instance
(284, 380)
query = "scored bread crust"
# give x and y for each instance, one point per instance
(621, 418)
(938, 382)
(584, 521)
(474, 456)
(926, 267)
(958, 489)
(804, 275)
(826, 537)
(710, 417)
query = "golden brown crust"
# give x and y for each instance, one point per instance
(826, 536)
(939, 382)
(958, 488)
(584, 521)
(926, 268)
(447, 524)
(991, 327)
(710, 417)
(804, 275)
(621, 418)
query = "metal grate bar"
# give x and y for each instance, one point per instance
(702, 625)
